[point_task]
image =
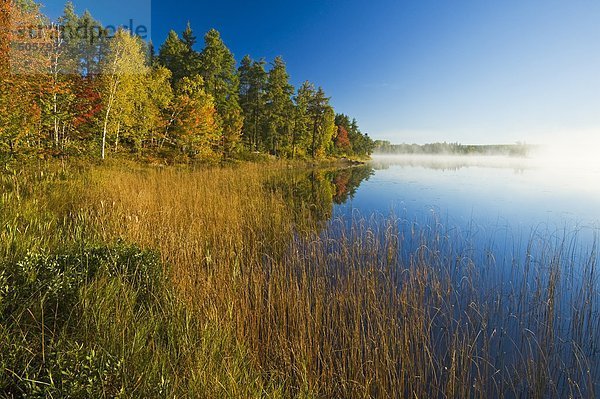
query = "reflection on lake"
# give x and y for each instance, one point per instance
(513, 243)
(316, 191)
(471, 194)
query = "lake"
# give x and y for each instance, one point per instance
(514, 237)
(495, 204)
(490, 192)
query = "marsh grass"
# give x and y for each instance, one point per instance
(231, 282)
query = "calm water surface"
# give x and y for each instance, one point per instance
(488, 192)
(527, 228)
(514, 238)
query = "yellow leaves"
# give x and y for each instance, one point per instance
(123, 83)
(197, 124)
(23, 63)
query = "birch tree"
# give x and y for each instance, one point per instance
(123, 73)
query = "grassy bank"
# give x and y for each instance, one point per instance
(225, 282)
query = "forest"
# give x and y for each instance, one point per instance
(76, 88)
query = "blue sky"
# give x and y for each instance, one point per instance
(415, 71)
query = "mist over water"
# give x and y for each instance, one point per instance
(558, 191)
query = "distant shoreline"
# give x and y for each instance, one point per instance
(518, 149)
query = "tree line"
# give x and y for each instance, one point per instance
(517, 149)
(74, 89)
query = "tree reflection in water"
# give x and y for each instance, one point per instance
(311, 193)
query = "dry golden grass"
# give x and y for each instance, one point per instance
(270, 304)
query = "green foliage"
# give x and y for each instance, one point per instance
(218, 67)
(44, 295)
(173, 55)
(81, 319)
(55, 280)
(361, 144)
(279, 108)
(69, 370)
(301, 133)
(253, 87)
(322, 119)
(94, 95)
(152, 111)
(84, 43)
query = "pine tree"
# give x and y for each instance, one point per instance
(253, 83)
(172, 55)
(320, 113)
(191, 61)
(86, 40)
(301, 131)
(279, 107)
(188, 37)
(217, 67)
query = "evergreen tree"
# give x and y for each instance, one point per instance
(191, 62)
(321, 120)
(84, 79)
(301, 132)
(361, 144)
(178, 55)
(343, 121)
(253, 83)
(72, 51)
(279, 108)
(188, 37)
(85, 41)
(172, 55)
(217, 67)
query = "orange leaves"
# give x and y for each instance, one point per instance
(22, 69)
(342, 141)
(197, 124)
(5, 37)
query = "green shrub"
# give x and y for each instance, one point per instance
(43, 352)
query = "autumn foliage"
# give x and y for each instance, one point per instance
(342, 141)
(98, 96)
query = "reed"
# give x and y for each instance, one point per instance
(254, 293)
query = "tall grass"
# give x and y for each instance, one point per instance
(229, 282)
(340, 312)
